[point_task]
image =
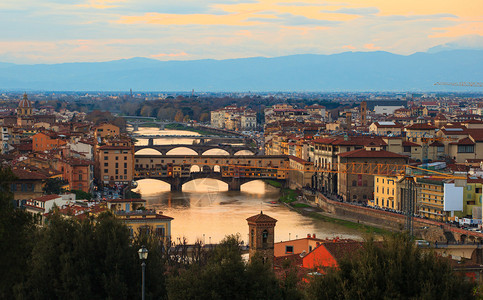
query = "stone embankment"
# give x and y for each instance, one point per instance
(427, 229)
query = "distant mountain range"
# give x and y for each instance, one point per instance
(349, 71)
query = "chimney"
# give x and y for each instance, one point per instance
(308, 235)
(313, 235)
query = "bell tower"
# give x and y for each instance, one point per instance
(261, 231)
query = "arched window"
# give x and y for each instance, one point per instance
(265, 237)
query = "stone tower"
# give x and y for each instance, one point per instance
(261, 231)
(363, 113)
(24, 107)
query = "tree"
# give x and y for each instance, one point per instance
(395, 269)
(16, 232)
(81, 195)
(54, 186)
(225, 276)
(179, 116)
(89, 260)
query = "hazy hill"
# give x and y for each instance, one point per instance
(349, 71)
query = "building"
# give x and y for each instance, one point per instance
(386, 128)
(146, 221)
(328, 255)
(40, 206)
(233, 117)
(24, 107)
(27, 185)
(43, 141)
(115, 163)
(126, 205)
(439, 199)
(360, 187)
(261, 240)
(106, 130)
(300, 173)
(297, 246)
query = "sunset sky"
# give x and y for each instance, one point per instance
(53, 31)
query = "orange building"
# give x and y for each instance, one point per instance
(79, 173)
(327, 255)
(297, 246)
(42, 142)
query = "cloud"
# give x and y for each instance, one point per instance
(350, 47)
(462, 29)
(371, 47)
(162, 55)
(363, 11)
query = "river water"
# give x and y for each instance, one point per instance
(207, 211)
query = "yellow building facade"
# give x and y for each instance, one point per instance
(146, 221)
(385, 193)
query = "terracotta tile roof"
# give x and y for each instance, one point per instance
(340, 250)
(464, 141)
(362, 153)
(421, 126)
(408, 143)
(299, 160)
(260, 218)
(28, 175)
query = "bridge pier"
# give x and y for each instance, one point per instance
(234, 185)
(150, 142)
(161, 126)
(176, 185)
(135, 126)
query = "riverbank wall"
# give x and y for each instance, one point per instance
(427, 229)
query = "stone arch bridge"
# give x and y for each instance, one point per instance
(177, 170)
(199, 148)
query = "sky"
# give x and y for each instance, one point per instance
(56, 31)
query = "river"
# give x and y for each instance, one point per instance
(207, 211)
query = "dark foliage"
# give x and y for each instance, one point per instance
(395, 269)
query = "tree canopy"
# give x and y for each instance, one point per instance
(393, 269)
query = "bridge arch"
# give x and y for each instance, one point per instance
(207, 185)
(244, 152)
(195, 169)
(150, 185)
(182, 151)
(216, 169)
(148, 151)
(216, 151)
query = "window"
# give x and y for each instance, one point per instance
(106, 158)
(125, 157)
(407, 149)
(125, 165)
(106, 170)
(466, 148)
(288, 249)
(354, 183)
(80, 176)
(265, 236)
(117, 157)
(117, 165)
(252, 238)
(106, 164)
(160, 231)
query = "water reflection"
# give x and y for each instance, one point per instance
(207, 209)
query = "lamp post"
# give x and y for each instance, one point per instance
(143, 255)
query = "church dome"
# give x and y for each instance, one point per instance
(25, 102)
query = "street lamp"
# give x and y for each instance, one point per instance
(143, 255)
